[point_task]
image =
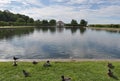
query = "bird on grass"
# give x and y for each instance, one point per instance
(110, 66)
(47, 64)
(65, 78)
(110, 73)
(15, 58)
(26, 74)
(14, 63)
(34, 62)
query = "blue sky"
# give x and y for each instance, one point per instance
(94, 11)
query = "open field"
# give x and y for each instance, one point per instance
(77, 70)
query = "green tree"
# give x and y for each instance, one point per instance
(83, 22)
(3, 23)
(26, 18)
(15, 19)
(30, 20)
(38, 23)
(52, 22)
(74, 22)
(20, 20)
(45, 22)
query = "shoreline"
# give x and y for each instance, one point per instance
(58, 60)
(10, 27)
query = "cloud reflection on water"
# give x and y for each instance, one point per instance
(62, 44)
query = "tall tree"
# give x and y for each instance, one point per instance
(20, 20)
(83, 22)
(38, 23)
(74, 22)
(52, 22)
(15, 19)
(45, 22)
(30, 20)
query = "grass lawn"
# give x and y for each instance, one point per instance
(78, 71)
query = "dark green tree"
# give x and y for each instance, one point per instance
(15, 19)
(30, 20)
(37, 23)
(52, 22)
(83, 22)
(2, 23)
(45, 22)
(74, 22)
(20, 20)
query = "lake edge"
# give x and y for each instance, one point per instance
(59, 60)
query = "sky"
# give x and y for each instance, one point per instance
(93, 11)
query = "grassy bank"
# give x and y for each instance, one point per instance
(78, 71)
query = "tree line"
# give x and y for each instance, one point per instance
(8, 18)
(74, 22)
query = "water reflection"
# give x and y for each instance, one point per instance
(74, 30)
(60, 30)
(52, 30)
(10, 33)
(44, 43)
(46, 29)
(107, 30)
(112, 31)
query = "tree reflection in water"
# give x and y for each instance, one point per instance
(10, 33)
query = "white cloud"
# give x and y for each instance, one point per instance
(30, 2)
(33, 2)
(59, 1)
(58, 12)
(5, 1)
(67, 13)
(77, 1)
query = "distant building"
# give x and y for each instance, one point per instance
(60, 24)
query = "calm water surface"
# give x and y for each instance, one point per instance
(64, 43)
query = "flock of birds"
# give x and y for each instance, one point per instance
(47, 64)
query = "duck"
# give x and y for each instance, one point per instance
(110, 73)
(47, 64)
(65, 78)
(110, 66)
(26, 74)
(15, 58)
(14, 63)
(34, 62)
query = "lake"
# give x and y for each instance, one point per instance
(59, 43)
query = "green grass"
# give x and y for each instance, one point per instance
(78, 71)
